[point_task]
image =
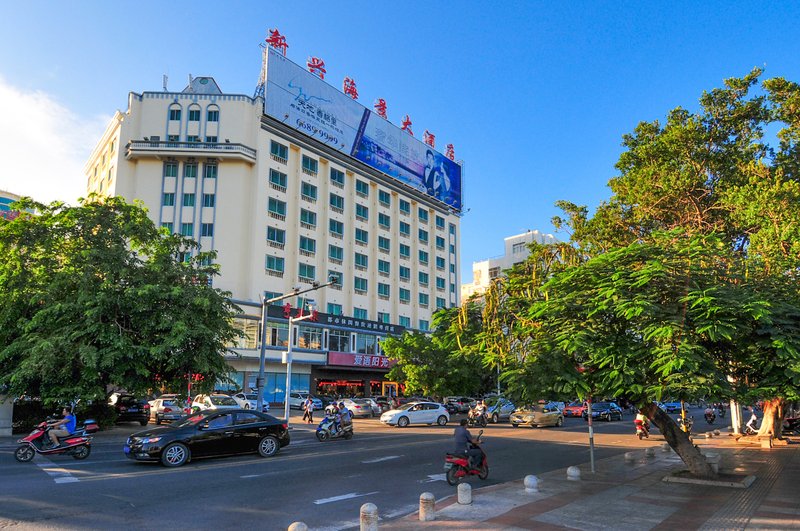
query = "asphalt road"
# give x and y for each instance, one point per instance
(321, 484)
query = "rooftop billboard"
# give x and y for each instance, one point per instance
(300, 99)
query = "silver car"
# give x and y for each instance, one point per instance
(166, 409)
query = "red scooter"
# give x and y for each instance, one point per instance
(642, 429)
(457, 465)
(78, 445)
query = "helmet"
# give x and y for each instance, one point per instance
(341, 404)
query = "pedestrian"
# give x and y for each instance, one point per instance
(308, 407)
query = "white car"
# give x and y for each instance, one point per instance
(214, 402)
(416, 413)
(250, 401)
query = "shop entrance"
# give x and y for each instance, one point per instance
(389, 388)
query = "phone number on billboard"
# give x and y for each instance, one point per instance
(315, 131)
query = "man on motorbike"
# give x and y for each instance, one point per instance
(68, 423)
(463, 444)
(642, 420)
(709, 414)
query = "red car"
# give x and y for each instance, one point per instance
(575, 409)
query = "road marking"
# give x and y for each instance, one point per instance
(251, 476)
(434, 477)
(379, 459)
(343, 497)
(59, 475)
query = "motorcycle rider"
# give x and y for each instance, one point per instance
(641, 419)
(709, 413)
(463, 444)
(68, 422)
(751, 424)
(342, 416)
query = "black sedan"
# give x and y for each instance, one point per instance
(209, 433)
(604, 411)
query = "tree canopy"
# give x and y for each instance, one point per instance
(95, 296)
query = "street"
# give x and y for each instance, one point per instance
(321, 484)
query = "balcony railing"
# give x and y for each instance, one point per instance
(221, 150)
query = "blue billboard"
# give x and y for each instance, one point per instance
(305, 102)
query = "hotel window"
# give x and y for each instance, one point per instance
(424, 299)
(336, 228)
(194, 115)
(405, 251)
(384, 244)
(362, 212)
(207, 230)
(167, 225)
(360, 313)
(423, 278)
(309, 192)
(405, 295)
(360, 285)
(383, 290)
(306, 271)
(308, 219)
(440, 283)
(190, 170)
(337, 177)
(362, 261)
(335, 253)
(278, 152)
(423, 215)
(405, 207)
(405, 321)
(188, 200)
(424, 325)
(310, 166)
(452, 249)
(334, 309)
(452, 229)
(440, 242)
(518, 248)
(211, 140)
(440, 303)
(384, 267)
(168, 199)
(277, 180)
(439, 263)
(383, 317)
(423, 257)
(276, 207)
(440, 222)
(187, 229)
(362, 188)
(337, 203)
(384, 197)
(452, 288)
(192, 138)
(171, 138)
(209, 200)
(338, 276)
(274, 263)
(276, 236)
(170, 169)
(423, 236)
(405, 229)
(452, 268)
(212, 116)
(384, 220)
(210, 171)
(308, 245)
(362, 236)
(175, 114)
(405, 273)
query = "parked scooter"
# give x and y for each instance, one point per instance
(78, 444)
(327, 429)
(688, 423)
(457, 466)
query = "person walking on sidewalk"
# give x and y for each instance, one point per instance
(308, 408)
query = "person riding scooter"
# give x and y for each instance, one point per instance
(709, 415)
(642, 422)
(61, 428)
(466, 445)
(477, 414)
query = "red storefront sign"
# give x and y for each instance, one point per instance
(347, 359)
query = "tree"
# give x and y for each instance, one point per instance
(95, 296)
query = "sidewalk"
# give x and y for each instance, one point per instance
(632, 496)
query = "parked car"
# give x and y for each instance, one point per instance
(452, 408)
(250, 401)
(416, 413)
(209, 433)
(462, 402)
(296, 401)
(358, 407)
(169, 409)
(671, 407)
(498, 408)
(384, 403)
(574, 409)
(376, 408)
(130, 408)
(537, 416)
(203, 402)
(604, 411)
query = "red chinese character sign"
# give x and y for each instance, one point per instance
(451, 152)
(349, 88)
(429, 138)
(407, 125)
(380, 108)
(316, 66)
(346, 359)
(277, 41)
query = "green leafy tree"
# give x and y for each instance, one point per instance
(95, 297)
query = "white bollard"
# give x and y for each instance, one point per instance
(709, 435)
(464, 494)
(427, 507)
(574, 473)
(666, 447)
(369, 517)
(713, 458)
(298, 526)
(531, 484)
(650, 452)
(630, 457)
(716, 432)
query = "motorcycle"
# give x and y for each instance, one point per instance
(791, 426)
(721, 412)
(78, 444)
(457, 466)
(687, 426)
(327, 429)
(642, 429)
(710, 417)
(479, 420)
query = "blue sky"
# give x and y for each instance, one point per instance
(535, 96)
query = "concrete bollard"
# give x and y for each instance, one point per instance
(464, 494)
(427, 507)
(650, 452)
(709, 435)
(666, 447)
(630, 457)
(531, 484)
(369, 517)
(574, 473)
(713, 458)
(298, 526)
(716, 432)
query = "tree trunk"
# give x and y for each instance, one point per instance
(679, 441)
(772, 423)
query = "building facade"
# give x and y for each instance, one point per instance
(516, 251)
(284, 210)
(6, 198)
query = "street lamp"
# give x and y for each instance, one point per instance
(333, 279)
(288, 361)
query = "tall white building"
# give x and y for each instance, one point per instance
(516, 251)
(285, 209)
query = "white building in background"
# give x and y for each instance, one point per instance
(284, 210)
(516, 251)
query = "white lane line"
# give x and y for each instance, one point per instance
(251, 476)
(379, 459)
(434, 477)
(59, 475)
(343, 497)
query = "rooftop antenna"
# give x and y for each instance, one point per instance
(164, 82)
(262, 77)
